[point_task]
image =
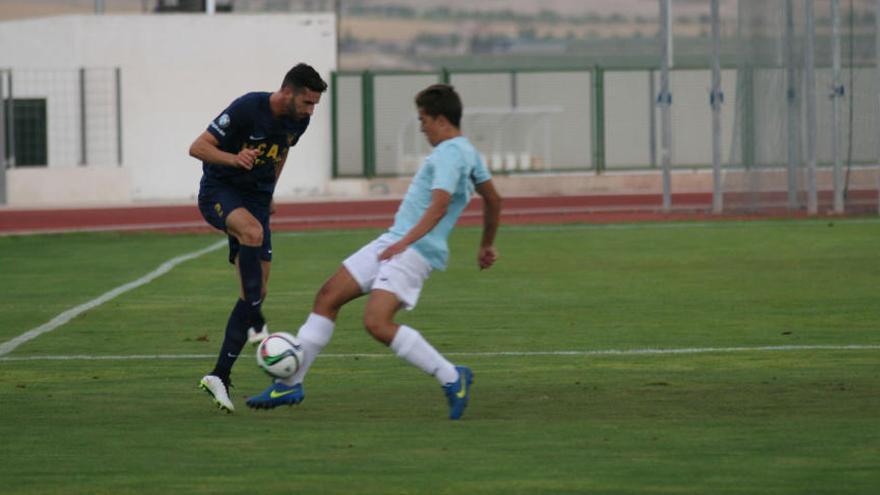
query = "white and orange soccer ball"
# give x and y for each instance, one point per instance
(279, 355)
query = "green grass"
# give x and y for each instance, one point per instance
(747, 422)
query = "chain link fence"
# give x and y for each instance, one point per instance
(60, 117)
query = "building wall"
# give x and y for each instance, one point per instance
(178, 72)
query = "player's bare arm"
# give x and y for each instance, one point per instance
(431, 217)
(491, 219)
(206, 148)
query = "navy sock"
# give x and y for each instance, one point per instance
(234, 340)
(251, 273)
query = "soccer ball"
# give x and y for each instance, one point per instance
(279, 355)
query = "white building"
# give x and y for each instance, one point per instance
(176, 72)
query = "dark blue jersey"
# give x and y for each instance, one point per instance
(248, 123)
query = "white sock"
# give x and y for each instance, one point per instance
(411, 346)
(313, 335)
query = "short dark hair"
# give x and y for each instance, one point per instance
(441, 99)
(304, 76)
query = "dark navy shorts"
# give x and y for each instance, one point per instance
(218, 200)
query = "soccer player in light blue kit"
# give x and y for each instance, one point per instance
(393, 267)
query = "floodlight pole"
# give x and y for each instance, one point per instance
(664, 99)
(337, 9)
(3, 150)
(836, 96)
(716, 98)
(793, 111)
(877, 87)
(810, 94)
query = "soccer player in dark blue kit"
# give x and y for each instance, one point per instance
(243, 152)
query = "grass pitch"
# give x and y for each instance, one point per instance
(107, 403)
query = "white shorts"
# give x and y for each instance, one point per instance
(403, 275)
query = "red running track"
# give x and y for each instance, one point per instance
(374, 213)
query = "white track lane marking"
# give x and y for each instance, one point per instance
(720, 223)
(72, 313)
(607, 352)
(652, 224)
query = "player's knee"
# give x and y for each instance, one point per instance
(252, 235)
(378, 327)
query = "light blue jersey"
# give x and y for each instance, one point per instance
(454, 166)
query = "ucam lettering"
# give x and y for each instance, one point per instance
(264, 157)
(273, 152)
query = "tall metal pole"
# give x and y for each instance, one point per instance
(652, 117)
(877, 90)
(3, 150)
(716, 98)
(83, 119)
(664, 99)
(210, 7)
(810, 95)
(3, 117)
(10, 121)
(337, 8)
(792, 127)
(118, 79)
(836, 97)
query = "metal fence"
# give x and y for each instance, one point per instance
(60, 117)
(520, 120)
(590, 119)
(784, 86)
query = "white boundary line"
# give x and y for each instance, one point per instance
(607, 352)
(72, 313)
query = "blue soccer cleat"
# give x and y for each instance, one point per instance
(459, 391)
(278, 394)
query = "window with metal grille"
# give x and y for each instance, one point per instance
(26, 131)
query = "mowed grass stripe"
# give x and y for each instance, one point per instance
(735, 422)
(606, 352)
(72, 313)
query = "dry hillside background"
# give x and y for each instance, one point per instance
(620, 31)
